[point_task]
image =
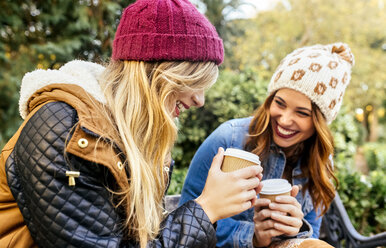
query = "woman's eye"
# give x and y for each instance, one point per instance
(303, 114)
(279, 103)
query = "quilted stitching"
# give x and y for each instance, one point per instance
(51, 208)
(58, 215)
(187, 226)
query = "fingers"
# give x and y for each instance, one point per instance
(288, 230)
(266, 224)
(287, 204)
(264, 228)
(295, 190)
(291, 222)
(287, 208)
(259, 188)
(271, 233)
(254, 200)
(248, 172)
(262, 215)
(217, 160)
(264, 237)
(250, 183)
(285, 199)
(260, 176)
(284, 216)
(261, 203)
(227, 194)
(294, 222)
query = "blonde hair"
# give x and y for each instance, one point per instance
(138, 95)
(316, 164)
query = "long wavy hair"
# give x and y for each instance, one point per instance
(315, 151)
(138, 99)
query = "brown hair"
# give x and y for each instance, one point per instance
(315, 165)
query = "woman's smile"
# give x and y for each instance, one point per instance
(284, 133)
(179, 108)
(291, 120)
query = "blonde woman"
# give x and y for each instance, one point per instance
(290, 134)
(91, 162)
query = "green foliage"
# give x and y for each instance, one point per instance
(235, 95)
(47, 34)
(177, 181)
(375, 154)
(364, 199)
(217, 12)
(346, 132)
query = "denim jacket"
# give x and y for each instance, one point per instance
(238, 230)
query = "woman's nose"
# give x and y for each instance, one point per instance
(285, 119)
(199, 99)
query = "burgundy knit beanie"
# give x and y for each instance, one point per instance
(166, 30)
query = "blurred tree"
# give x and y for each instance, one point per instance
(220, 13)
(360, 23)
(46, 34)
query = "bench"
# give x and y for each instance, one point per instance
(336, 226)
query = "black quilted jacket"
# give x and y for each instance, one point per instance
(58, 215)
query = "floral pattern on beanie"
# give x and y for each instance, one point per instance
(321, 72)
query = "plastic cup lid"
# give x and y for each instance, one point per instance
(275, 186)
(233, 152)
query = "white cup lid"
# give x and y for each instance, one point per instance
(275, 186)
(233, 152)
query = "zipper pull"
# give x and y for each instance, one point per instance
(71, 177)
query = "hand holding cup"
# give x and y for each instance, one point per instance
(229, 193)
(277, 212)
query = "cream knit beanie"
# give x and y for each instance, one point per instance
(321, 72)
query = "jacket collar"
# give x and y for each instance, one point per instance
(76, 84)
(80, 73)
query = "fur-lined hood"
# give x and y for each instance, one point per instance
(82, 73)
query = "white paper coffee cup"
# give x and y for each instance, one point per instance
(275, 187)
(235, 159)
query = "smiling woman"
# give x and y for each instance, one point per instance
(290, 134)
(291, 118)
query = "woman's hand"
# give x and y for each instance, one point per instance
(264, 225)
(228, 194)
(290, 223)
(284, 216)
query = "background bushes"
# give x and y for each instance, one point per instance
(375, 154)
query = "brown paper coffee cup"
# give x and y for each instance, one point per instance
(273, 197)
(275, 187)
(235, 159)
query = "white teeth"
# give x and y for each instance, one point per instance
(284, 131)
(180, 106)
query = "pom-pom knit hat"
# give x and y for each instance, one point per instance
(321, 72)
(166, 30)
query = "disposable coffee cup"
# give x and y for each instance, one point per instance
(235, 159)
(275, 187)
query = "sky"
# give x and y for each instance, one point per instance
(247, 10)
(252, 7)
